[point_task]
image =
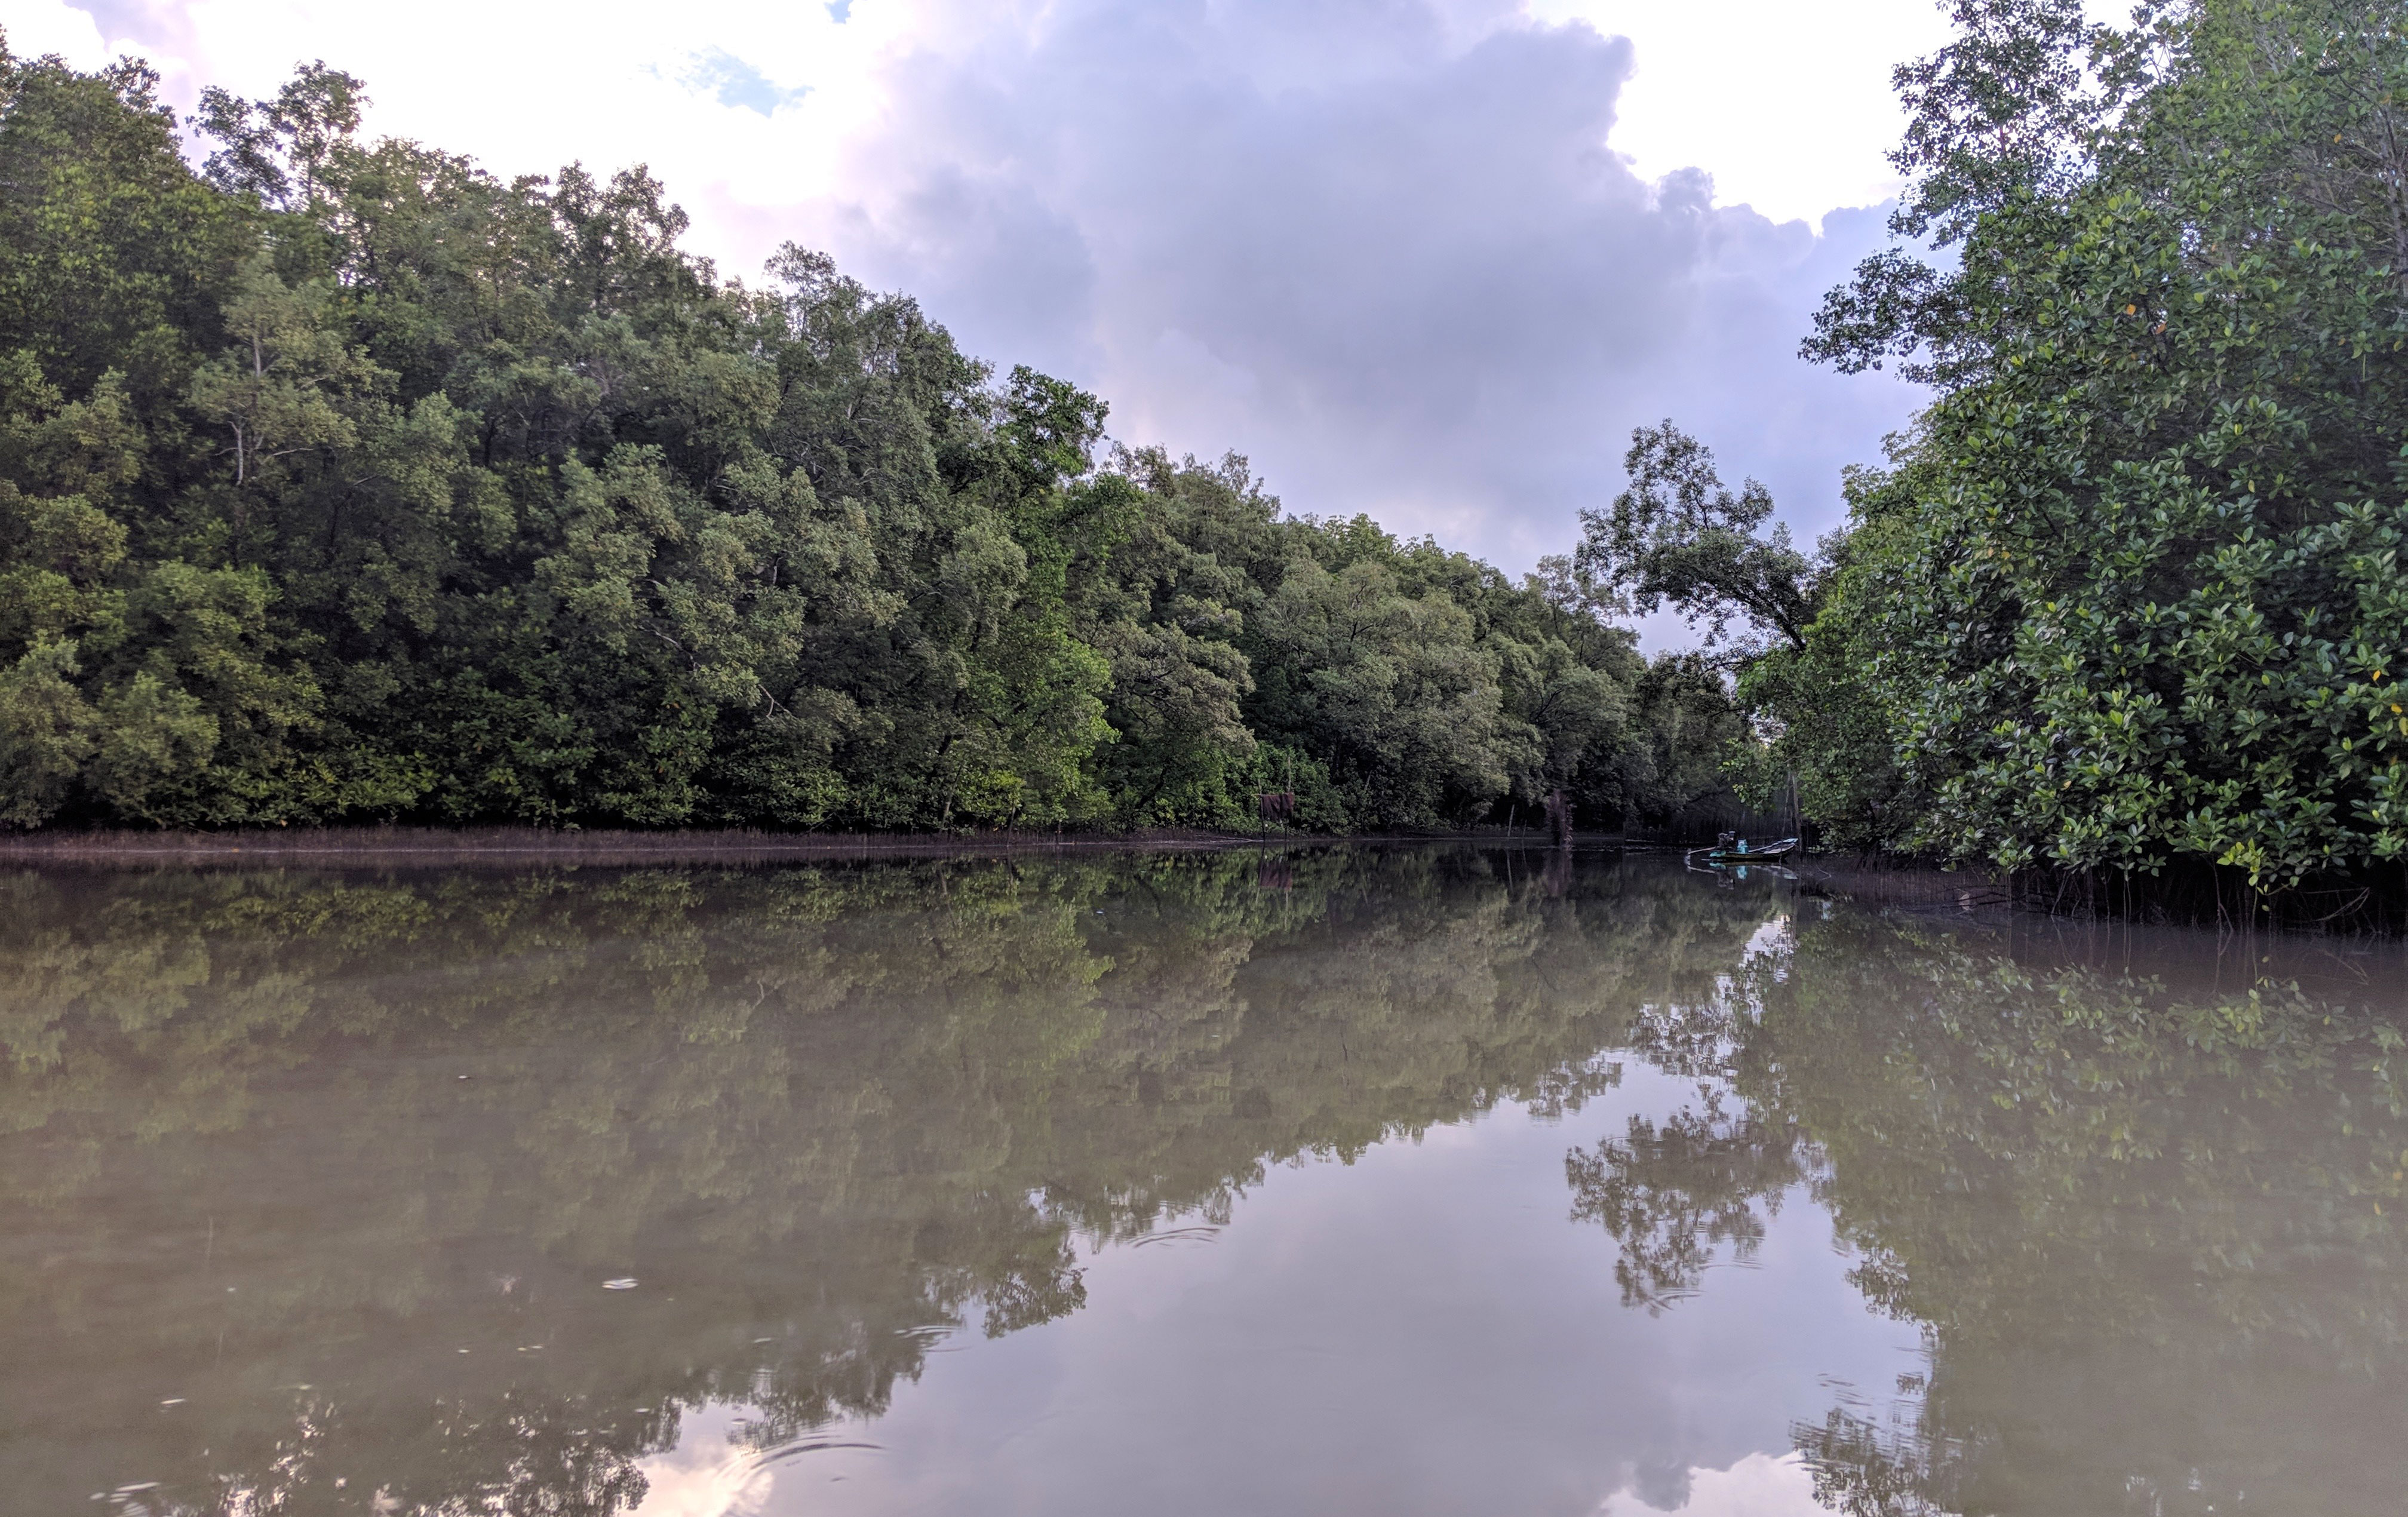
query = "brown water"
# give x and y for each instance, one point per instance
(1406, 1181)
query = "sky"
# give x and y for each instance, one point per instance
(1430, 260)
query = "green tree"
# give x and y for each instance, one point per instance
(1678, 537)
(2134, 596)
(342, 481)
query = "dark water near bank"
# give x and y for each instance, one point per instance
(1439, 1181)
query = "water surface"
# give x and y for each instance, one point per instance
(1412, 1180)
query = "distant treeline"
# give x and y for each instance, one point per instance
(343, 481)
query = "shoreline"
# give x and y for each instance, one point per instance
(1914, 886)
(337, 846)
(439, 845)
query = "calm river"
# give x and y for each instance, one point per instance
(1391, 1183)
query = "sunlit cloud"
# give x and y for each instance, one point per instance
(1759, 1485)
(1397, 252)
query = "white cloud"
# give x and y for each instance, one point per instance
(1759, 1485)
(1413, 278)
(37, 27)
(1392, 250)
(1789, 104)
(708, 1472)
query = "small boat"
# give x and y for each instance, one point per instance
(1770, 853)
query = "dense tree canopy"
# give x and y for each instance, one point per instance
(341, 480)
(2131, 592)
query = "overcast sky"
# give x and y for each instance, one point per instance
(1429, 259)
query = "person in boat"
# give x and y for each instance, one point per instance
(1725, 840)
(1743, 844)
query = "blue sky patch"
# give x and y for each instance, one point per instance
(735, 82)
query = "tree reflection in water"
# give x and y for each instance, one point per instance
(281, 1146)
(1679, 1193)
(277, 1146)
(2141, 1193)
